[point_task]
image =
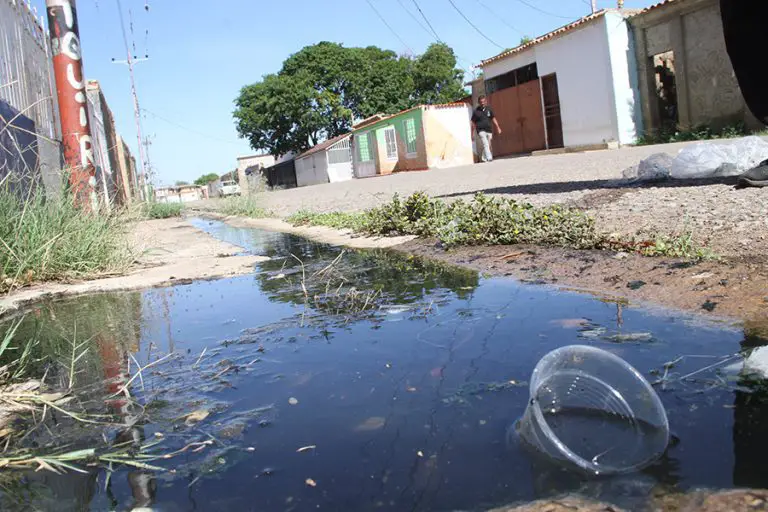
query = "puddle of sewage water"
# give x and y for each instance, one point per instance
(363, 380)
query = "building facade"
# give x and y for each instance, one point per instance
(421, 138)
(327, 162)
(573, 87)
(684, 73)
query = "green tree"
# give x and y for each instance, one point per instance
(206, 179)
(323, 88)
(436, 78)
(181, 183)
(525, 40)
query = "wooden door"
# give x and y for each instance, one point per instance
(552, 117)
(519, 112)
(506, 107)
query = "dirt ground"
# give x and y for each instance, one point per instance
(734, 288)
(696, 501)
(168, 251)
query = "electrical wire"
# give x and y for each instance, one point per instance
(389, 26)
(413, 16)
(499, 17)
(427, 20)
(186, 128)
(542, 11)
(475, 26)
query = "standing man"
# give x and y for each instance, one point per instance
(483, 122)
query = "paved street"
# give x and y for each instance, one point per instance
(538, 179)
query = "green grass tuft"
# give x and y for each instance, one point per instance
(336, 220)
(243, 206)
(162, 210)
(45, 239)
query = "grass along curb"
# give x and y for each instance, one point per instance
(486, 220)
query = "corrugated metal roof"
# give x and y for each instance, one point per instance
(323, 145)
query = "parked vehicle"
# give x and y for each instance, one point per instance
(229, 188)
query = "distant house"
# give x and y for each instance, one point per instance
(180, 194)
(420, 138)
(327, 162)
(279, 176)
(251, 162)
(573, 87)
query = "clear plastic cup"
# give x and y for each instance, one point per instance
(591, 409)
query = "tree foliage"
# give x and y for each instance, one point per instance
(322, 89)
(206, 179)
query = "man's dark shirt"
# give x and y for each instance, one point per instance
(482, 118)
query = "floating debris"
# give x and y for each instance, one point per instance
(372, 423)
(293, 401)
(306, 448)
(310, 482)
(196, 417)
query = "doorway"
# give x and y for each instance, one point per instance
(666, 90)
(552, 117)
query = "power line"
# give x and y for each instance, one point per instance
(535, 8)
(474, 26)
(427, 20)
(191, 130)
(413, 16)
(500, 18)
(388, 26)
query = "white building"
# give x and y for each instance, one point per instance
(573, 87)
(327, 162)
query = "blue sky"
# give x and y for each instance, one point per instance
(202, 53)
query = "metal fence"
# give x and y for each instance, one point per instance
(27, 100)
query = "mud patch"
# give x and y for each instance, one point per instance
(730, 288)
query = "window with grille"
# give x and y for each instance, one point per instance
(363, 148)
(340, 153)
(410, 137)
(390, 138)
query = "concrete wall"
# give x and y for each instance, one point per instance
(106, 184)
(26, 84)
(244, 162)
(312, 170)
(596, 99)
(127, 169)
(707, 89)
(448, 135)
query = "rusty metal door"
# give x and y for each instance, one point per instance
(519, 113)
(506, 107)
(552, 111)
(531, 116)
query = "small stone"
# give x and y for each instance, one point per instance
(621, 256)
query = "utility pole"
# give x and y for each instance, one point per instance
(144, 179)
(594, 6)
(73, 104)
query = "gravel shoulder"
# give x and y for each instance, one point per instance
(169, 251)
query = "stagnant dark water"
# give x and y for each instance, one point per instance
(400, 379)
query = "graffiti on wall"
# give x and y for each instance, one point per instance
(70, 85)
